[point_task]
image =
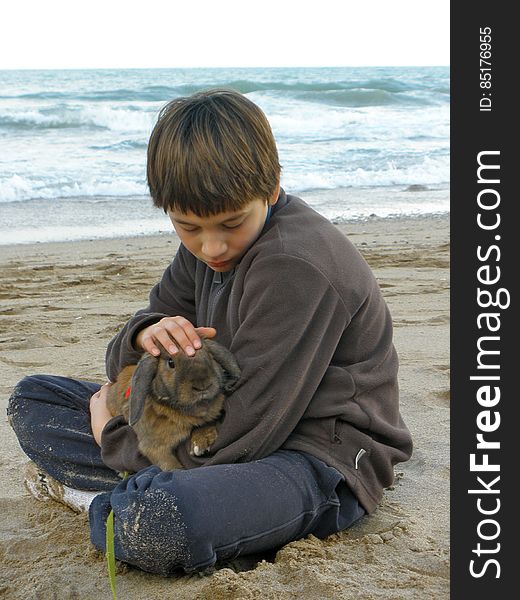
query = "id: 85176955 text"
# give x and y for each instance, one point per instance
(485, 103)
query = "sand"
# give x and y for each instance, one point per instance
(59, 306)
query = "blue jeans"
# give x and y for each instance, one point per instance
(188, 519)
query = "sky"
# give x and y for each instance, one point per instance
(76, 34)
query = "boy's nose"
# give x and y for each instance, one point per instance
(213, 248)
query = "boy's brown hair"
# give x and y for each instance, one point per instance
(211, 152)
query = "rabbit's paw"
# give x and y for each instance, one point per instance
(201, 439)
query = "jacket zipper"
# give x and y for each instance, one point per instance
(215, 298)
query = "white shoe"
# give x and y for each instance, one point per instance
(44, 487)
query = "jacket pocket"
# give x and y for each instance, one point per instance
(353, 445)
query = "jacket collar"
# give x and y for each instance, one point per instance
(281, 202)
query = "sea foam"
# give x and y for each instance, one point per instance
(72, 138)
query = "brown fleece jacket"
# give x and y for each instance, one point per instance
(305, 318)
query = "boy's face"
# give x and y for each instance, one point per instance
(221, 240)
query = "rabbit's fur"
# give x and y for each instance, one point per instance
(173, 398)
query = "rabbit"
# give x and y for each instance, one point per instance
(168, 399)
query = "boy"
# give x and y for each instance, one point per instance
(312, 430)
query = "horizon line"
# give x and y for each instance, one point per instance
(222, 68)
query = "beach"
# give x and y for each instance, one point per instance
(61, 303)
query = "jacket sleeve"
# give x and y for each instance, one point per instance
(290, 321)
(119, 447)
(173, 295)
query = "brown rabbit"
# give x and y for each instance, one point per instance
(168, 399)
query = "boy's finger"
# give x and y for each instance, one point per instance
(193, 341)
(168, 342)
(151, 348)
(179, 331)
(209, 332)
(149, 344)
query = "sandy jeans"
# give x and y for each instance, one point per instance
(182, 519)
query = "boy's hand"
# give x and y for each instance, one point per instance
(99, 413)
(173, 333)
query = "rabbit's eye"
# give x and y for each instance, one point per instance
(170, 363)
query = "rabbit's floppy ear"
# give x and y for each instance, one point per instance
(227, 361)
(142, 379)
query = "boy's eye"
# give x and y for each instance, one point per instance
(233, 226)
(193, 229)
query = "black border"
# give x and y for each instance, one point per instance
(474, 131)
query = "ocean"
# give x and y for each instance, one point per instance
(353, 143)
